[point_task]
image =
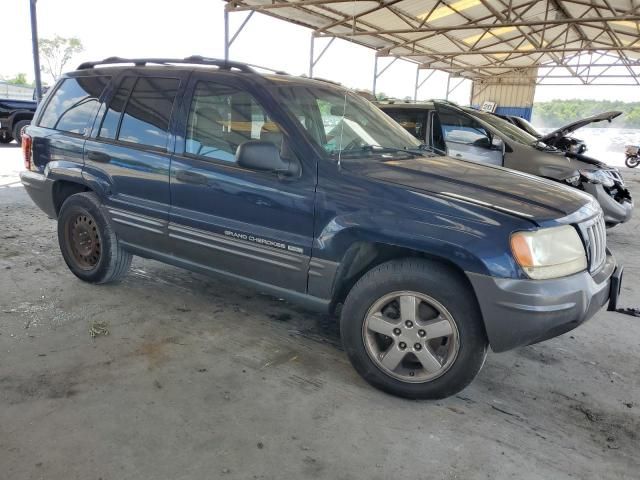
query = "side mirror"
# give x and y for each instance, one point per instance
(263, 156)
(483, 142)
(497, 144)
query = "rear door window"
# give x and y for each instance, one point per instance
(146, 116)
(141, 115)
(74, 104)
(111, 121)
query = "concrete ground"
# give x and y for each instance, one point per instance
(201, 379)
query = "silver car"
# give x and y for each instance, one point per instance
(470, 134)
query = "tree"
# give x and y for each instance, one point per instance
(56, 53)
(19, 79)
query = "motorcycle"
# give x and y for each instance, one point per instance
(632, 154)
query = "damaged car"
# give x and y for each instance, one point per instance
(470, 134)
(560, 138)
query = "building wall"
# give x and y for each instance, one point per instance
(513, 94)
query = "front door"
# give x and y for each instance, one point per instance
(232, 219)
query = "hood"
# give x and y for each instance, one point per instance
(494, 187)
(554, 164)
(10, 104)
(573, 126)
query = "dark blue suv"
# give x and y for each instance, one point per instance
(309, 192)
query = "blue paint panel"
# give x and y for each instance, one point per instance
(522, 112)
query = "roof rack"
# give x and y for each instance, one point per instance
(192, 60)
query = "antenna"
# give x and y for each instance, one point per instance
(344, 105)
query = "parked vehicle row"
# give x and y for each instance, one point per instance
(483, 137)
(305, 190)
(14, 116)
(560, 138)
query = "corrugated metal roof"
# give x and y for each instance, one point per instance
(476, 38)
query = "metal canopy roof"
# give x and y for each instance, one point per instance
(584, 41)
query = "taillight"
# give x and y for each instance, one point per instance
(27, 144)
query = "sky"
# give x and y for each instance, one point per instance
(165, 28)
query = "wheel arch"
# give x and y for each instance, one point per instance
(363, 255)
(18, 116)
(63, 189)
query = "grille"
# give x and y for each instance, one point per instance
(615, 175)
(596, 242)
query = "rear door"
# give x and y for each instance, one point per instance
(229, 218)
(465, 137)
(129, 154)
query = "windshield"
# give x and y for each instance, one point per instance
(507, 129)
(344, 123)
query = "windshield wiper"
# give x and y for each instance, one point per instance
(364, 149)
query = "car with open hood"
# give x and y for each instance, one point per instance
(471, 134)
(560, 138)
(306, 191)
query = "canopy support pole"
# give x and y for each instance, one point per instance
(36, 51)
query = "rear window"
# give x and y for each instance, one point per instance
(74, 104)
(141, 117)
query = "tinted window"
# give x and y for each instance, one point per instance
(74, 104)
(221, 118)
(111, 120)
(146, 116)
(411, 120)
(461, 129)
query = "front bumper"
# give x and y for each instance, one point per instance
(520, 312)
(40, 189)
(614, 212)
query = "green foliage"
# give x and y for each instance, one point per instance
(19, 79)
(56, 52)
(560, 112)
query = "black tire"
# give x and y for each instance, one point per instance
(5, 138)
(631, 162)
(17, 130)
(440, 283)
(105, 260)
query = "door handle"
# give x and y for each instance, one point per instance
(187, 176)
(99, 157)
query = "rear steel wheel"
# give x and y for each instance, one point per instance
(411, 336)
(84, 241)
(88, 242)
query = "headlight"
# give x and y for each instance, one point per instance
(549, 252)
(598, 176)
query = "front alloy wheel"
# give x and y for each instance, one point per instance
(410, 336)
(412, 327)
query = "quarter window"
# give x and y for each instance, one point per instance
(411, 120)
(221, 118)
(74, 104)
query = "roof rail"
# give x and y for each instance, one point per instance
(192, 60)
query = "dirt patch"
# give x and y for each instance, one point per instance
(16, 390)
